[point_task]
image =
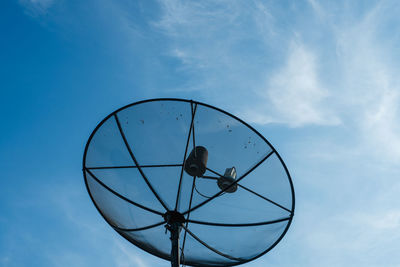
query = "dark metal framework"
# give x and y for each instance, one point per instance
(191, 134)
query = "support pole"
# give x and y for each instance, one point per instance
(175, 228)
(174, 220)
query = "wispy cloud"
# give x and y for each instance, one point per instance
(381, 125)
(228, 49)
(295, 93)
(36, 7)
(300, 91)
(125, 258)
(354, 83)
(357, 167)
(370, 82)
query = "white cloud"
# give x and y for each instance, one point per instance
(296, 94)
(381, 125)
(390, 220)
(371, 83)
(227, 49)
(317, 8)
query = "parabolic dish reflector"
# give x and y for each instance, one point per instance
(234, 211)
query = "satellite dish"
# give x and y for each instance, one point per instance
(188, 182)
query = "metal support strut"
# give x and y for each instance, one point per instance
(175, 228)
(174, 221)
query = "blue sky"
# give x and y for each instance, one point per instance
(319, 79)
